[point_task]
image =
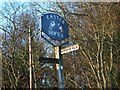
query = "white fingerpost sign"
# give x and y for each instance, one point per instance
(69, 49)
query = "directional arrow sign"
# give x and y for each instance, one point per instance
(48, 60)
(69, 49)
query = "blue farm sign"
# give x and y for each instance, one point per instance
(54, 26)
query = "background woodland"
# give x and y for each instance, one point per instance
(94, 26)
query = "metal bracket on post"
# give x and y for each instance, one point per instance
(59, 67)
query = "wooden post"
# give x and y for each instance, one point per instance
(0, 65)
(59, 67)
(30, 59)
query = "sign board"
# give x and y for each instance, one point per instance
(69, 49)
(54, 26)
(48, 60)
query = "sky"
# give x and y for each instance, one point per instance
(2, 1)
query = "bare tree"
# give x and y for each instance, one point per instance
(94, 26)
(17, 20)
